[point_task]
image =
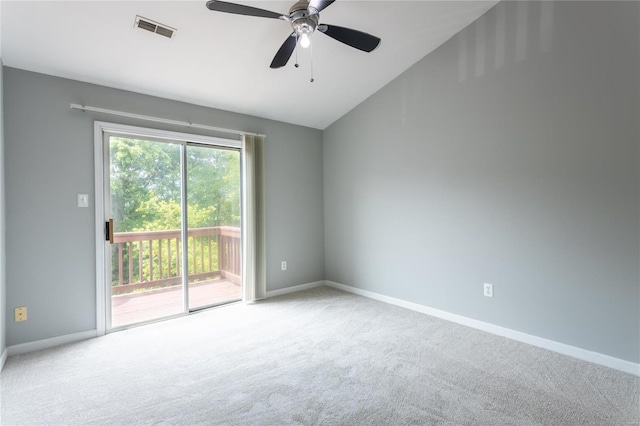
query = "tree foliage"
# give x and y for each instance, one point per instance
(145, 185)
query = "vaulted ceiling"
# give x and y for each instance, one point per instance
(221, 60)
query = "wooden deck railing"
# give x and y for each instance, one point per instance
(145, 260)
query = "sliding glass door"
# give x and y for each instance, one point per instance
(173, 228)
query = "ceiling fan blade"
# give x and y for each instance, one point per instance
(319, 5)
(284, 53)
(239, 9)
(354, 38)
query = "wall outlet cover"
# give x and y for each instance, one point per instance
(20, 314)
(488, 290)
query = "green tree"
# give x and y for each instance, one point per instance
(146, 189)
(141, 170)
(214, 181)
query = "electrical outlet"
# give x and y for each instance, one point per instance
(20, 314)
(488, 290)
(283, 265)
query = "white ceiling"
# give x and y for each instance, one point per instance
(222, 60)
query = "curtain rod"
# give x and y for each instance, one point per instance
(160, 120)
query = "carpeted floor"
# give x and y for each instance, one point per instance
(316, 357)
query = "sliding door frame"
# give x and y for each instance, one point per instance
(101, 131)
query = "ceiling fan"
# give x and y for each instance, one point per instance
(304, 17)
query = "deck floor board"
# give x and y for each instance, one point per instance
(144, 306)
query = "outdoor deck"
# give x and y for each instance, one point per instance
(141, 306)
(148, 268)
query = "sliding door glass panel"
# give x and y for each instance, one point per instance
(146, 255)
(213, 225)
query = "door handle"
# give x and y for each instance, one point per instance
(109, 231)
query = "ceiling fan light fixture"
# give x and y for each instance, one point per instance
(303, 22)
(304, 18)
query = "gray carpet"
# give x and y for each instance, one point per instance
(316, 357)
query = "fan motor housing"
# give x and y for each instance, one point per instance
(301, 21)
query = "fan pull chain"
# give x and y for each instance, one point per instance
(297, 65)
(311, 47)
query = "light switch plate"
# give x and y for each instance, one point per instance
(83, 200)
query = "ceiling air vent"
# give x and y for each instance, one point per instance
(155, 27)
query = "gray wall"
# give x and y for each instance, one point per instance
(507, 156)
(3, 287)
(49, 159)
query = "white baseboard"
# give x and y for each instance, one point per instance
(572, 351)
(293, 289)
(50, 343)
(3, 358)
